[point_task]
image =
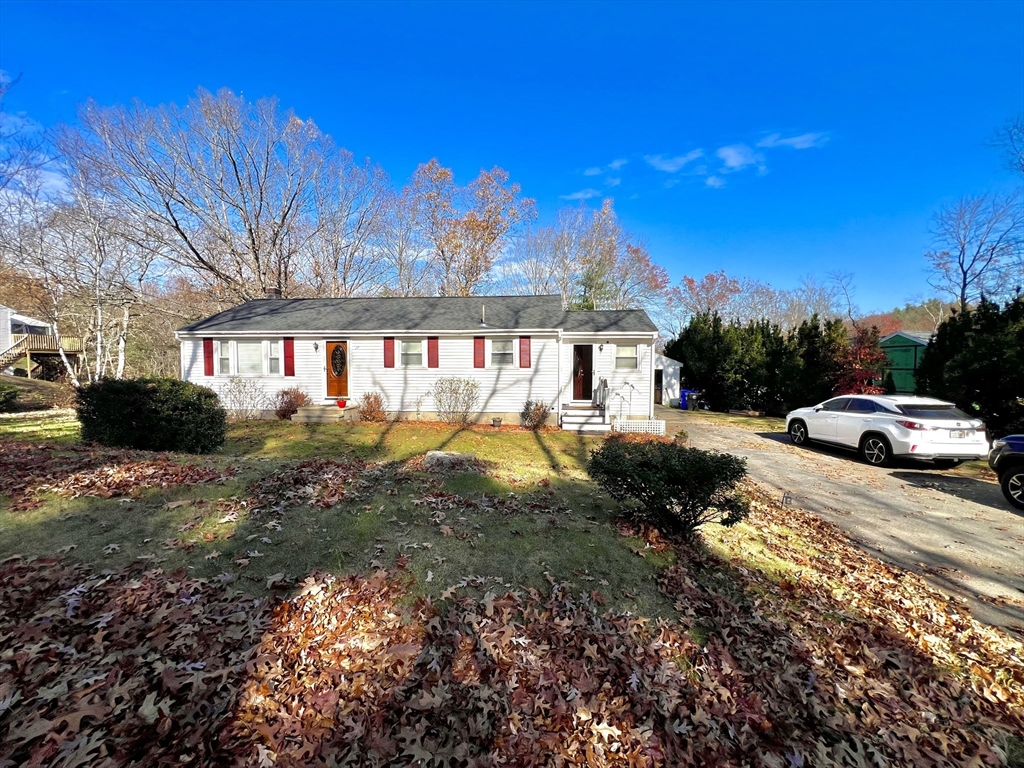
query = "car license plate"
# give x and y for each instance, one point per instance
(958, 434)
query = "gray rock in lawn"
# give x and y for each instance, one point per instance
(444, 460)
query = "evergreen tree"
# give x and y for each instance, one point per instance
(976, 360)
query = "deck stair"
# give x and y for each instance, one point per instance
(325, 414)
(585, 418)
(14, 353)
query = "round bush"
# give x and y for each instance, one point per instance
(674, 488)
(151, 414)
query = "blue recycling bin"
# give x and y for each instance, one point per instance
(683, 395)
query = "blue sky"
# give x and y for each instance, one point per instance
(772, 140)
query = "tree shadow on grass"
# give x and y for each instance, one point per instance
(348, 670)
(763, 669)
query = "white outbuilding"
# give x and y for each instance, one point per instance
(667, 375)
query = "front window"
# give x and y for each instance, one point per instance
(224, 358)
(250, 357)
(501, 352)
(274, 357)
(625, 356)
(412, 353)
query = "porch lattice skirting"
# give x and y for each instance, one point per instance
(645, 426)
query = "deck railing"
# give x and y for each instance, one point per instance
(48, 344)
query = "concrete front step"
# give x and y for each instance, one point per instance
(578, 419)
(583, 419)
(597, 429)
(325, 414)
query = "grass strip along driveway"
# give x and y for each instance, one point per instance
(312, 596)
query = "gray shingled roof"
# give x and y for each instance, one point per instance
(922, 336)
(607, 321)
(416, 314)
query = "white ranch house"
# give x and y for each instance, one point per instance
(591, 367)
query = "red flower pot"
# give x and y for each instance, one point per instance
(342, 403)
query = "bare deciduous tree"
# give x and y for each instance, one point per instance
(978, 241)
(338, 259)
(1010, 141)
(466, 226)
(23, 150)
(224, 183)
(402, 246)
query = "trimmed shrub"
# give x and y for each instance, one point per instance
(8, 397)
(534, 414)
(151, 414)
(455, 399)
(674, 488)
(373, 407)
(288, 401)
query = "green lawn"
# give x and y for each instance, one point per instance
(531, 516)
(797, 640)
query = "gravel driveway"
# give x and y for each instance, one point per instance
(956, 531)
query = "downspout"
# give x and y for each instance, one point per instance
(650, 399)
(558, 382)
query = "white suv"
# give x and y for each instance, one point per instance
(880, 427)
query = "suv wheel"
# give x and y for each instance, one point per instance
(1012, 482)
(798, 433)
(876, 450)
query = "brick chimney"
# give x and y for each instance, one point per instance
(273, 293)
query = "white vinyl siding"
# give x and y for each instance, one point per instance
(630, 390)
(408, 389)
(503, 389)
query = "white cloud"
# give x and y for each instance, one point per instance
(715, 181)
(593, 171)
(612, 181)
(583, 194)
(736, 157)
(671, 183)
(672, 164)
(803, 141)
(617, 164)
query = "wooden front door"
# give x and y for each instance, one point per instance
(337, 369)
(582, 372)
(659, 378)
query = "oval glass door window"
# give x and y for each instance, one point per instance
(338, 361)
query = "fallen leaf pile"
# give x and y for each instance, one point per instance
(831, 659)
(73, 471)
(317, 482)
(120, 668)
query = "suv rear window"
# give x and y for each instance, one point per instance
(933, 411)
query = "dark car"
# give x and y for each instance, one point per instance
(1007, 459)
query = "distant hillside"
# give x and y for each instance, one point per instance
(36, 395)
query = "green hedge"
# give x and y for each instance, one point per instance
(151, 414)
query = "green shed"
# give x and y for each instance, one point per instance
(904, 350)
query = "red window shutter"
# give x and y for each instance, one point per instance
(478, 351)
(289, 357)
(389, 351)
(432, 352)
(524, 351)
(207, 357)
